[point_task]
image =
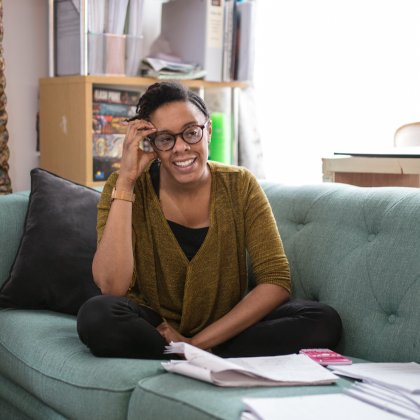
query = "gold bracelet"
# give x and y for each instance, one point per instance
(122, 195)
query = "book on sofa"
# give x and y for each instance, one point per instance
(293, 369)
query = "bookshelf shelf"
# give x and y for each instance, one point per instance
(137, 81)
(66, 104)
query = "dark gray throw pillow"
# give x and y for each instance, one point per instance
(52, 268)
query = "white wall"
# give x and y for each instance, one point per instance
(25, 45)
(342, 77)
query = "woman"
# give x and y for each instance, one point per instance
(173, 232)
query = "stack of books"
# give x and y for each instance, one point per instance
(110, 109)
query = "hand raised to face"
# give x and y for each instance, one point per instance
(135, 156)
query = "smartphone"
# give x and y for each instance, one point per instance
(326, 357)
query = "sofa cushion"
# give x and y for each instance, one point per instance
(13, 208)
(40, 351)
(357, 249)
(52, 269)
(18, 404)
(176, 397)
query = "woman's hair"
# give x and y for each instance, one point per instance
(162, 93)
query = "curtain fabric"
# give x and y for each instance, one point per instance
(250, 153)
(5, 184)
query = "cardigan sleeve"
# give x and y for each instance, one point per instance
(104, 205)
(262, 238)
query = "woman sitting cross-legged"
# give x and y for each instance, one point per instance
(173, 233)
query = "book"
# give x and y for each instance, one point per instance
(326, 357)
(106, 155)
(116, 110)
(289, 370)
(229, 28)
(115, 96)
(67, 37)
(201, 39)
(221, 144)
(246, 22)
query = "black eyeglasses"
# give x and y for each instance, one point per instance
(166, 141)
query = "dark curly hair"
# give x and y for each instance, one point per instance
(162, 93)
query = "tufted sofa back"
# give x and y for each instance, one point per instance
(357, 249)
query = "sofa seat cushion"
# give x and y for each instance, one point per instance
(175, 397)
(40, 351)
(18, 404)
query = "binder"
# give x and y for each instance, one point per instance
(246, 40)
(194, 30)
(67, 21)
(220, 145)
(229, 41)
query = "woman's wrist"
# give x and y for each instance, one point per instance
(124, 184)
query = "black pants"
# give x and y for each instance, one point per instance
(117, 327)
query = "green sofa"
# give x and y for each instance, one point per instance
(356, 249)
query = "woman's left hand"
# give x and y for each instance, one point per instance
(169, 333)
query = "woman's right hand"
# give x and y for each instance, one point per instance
(134, 160)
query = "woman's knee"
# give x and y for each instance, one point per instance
(318, 323)
(328, 322)
(95, 317)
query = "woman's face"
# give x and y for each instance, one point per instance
(185, 163)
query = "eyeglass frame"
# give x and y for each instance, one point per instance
(152, 137)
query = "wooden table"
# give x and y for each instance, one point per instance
(397, 168)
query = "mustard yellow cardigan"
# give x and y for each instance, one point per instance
(193, 294)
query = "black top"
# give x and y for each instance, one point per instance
(189, 239)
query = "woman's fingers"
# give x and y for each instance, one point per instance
(134, 159)
(137, 131)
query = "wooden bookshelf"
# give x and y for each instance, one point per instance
(66, 119)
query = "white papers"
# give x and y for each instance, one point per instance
(158, 64)
(294, 369)
(164, 69)
(403, 376)
(394, 387)
(325, 407)
(386, 399)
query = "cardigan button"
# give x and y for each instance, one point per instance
(392, 319)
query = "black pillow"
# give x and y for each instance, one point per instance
(52, 268)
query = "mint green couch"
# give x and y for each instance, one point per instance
(356, 249)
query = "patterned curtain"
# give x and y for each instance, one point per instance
(5, 185)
